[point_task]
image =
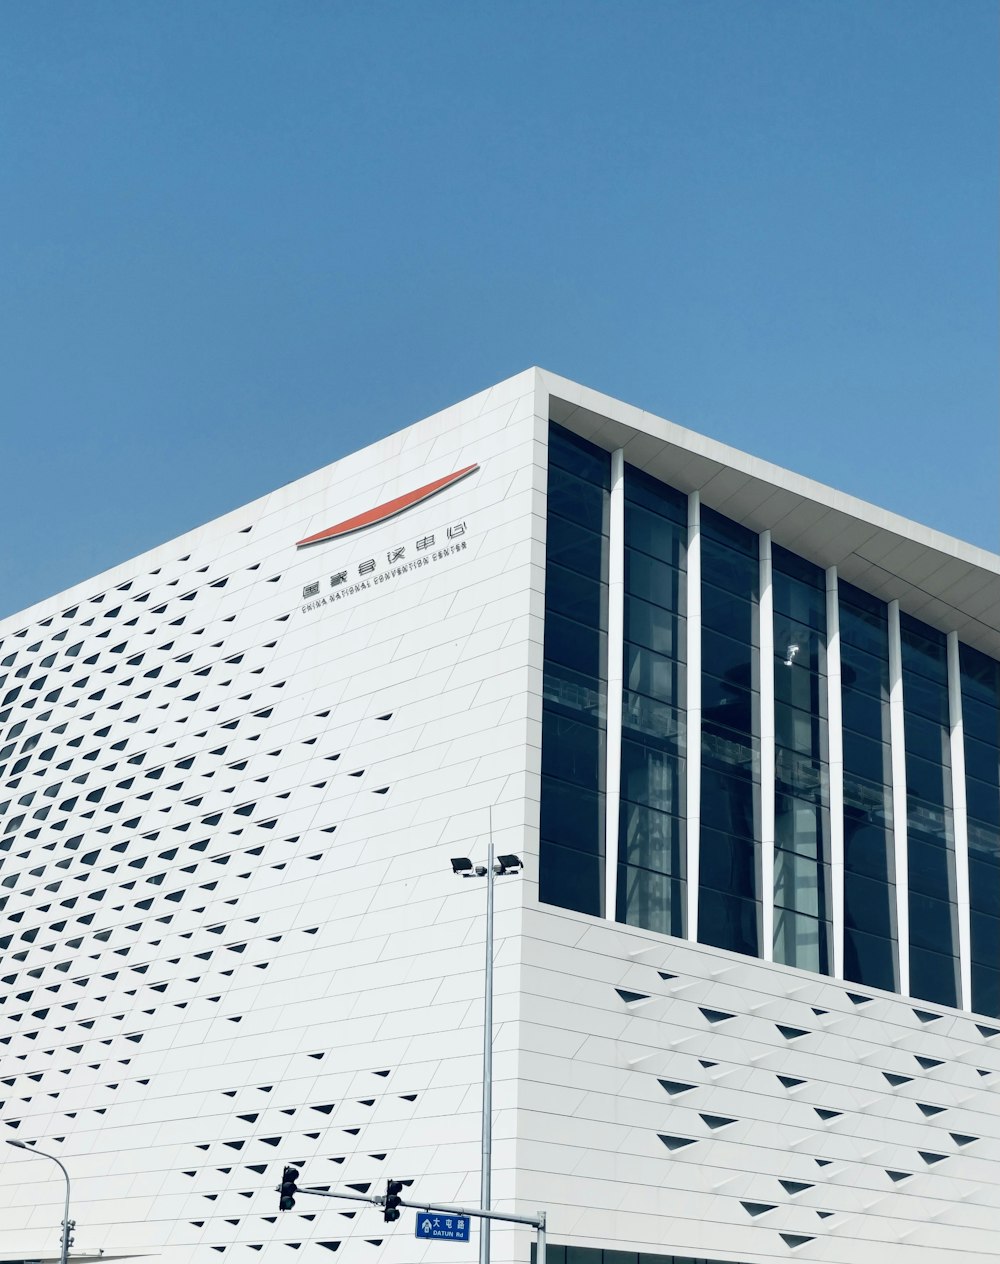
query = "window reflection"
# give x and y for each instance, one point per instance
(651, 852)
(870, 943)
(574, 688)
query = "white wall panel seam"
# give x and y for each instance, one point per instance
(766, 679)
(898, 756)
(693, 767)
(616, 653)
(835, 747)
(958, 798)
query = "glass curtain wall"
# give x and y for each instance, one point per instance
(574, 714)
(981, 724)
(802, 779)
(729, 896)
(930, 833)
(871, 953)
(652, 868)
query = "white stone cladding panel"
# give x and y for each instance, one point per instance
(873, 1173)
(326, 762)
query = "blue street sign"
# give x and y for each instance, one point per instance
(434, 1224)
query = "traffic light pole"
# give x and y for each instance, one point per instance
(536, 1222)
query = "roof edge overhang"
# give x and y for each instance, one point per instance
(952, 585)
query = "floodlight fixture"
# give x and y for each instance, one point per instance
(460, 864)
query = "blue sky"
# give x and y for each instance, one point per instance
(241, 239)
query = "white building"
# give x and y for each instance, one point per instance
(743, 730)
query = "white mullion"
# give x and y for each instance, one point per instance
(693, 748)
(898, 754)
(835, 749)
(766, 683)
(961, 827)
(616, 657)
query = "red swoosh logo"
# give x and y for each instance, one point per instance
(389, 510)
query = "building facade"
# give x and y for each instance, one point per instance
(743, 730)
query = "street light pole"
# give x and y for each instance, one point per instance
(67, 1223)
(494, 865)
(487, 1156)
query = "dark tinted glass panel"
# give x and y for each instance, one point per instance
(802, 790)
(726, 658)
(923, 697)
(583, 649)
(871, 960)
(796, 686)
(925, 650)
(571, 880)
(927, 780)
(929, 825)
(868, 846)
(927, 867)
(734, 572)
(728, 865)
(933, 976)
(654, 535)
(867, 757)
(569, 452)
(980, 687)
(643, 489)
(869, 853)
(800, 826)
(869, 906)
(726, 750)
(571, 865)
(927, 738)
(986, 938)
(572, 693)
(728, 804)
(651, 900)
(652, 626)
(797, 645)
(727, 612)
(797, 604)
(652, 838)
(652, 777)
(718, 529)
(801, 940)
(575, 752)
(572, 814)
(654, 580)
(860, 672)
(570, 593)
(726, 921)
(801, 884)
(982, 761)
(863, 628)
(984, 881)
(985, 989)
(655, 723)
(569, 545)
(578, 501)
(983, 802)
(800, 730)
(981, 722)
(728, 704)
(862, 713)
(654, 674)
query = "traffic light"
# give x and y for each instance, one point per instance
(288, 1190)
(392, 1192)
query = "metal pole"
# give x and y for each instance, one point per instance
(540, 1239)
(30, 1149)
(484, 1195)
